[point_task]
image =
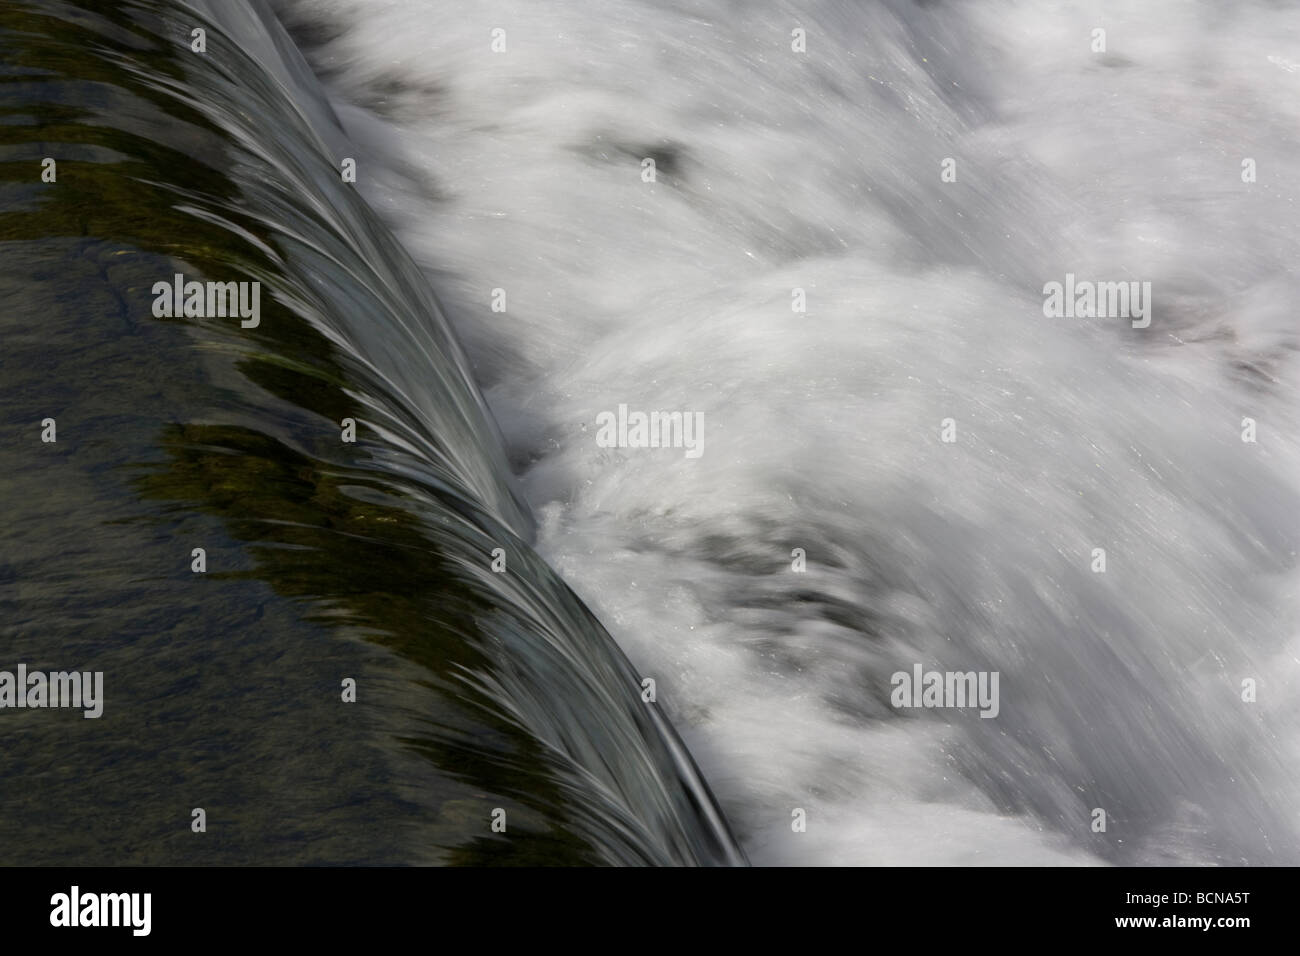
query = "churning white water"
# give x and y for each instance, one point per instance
(522, 170)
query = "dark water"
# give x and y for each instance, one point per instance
(326, 560)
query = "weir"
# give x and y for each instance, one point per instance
(328, 562)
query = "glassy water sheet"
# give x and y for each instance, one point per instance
(269, 595)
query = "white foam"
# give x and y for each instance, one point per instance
(521, 170)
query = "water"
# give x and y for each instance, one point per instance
(1121, 690)
(326, 561)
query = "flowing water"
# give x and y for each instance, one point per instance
(480, 697)
(501, 277)
(504, 141)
